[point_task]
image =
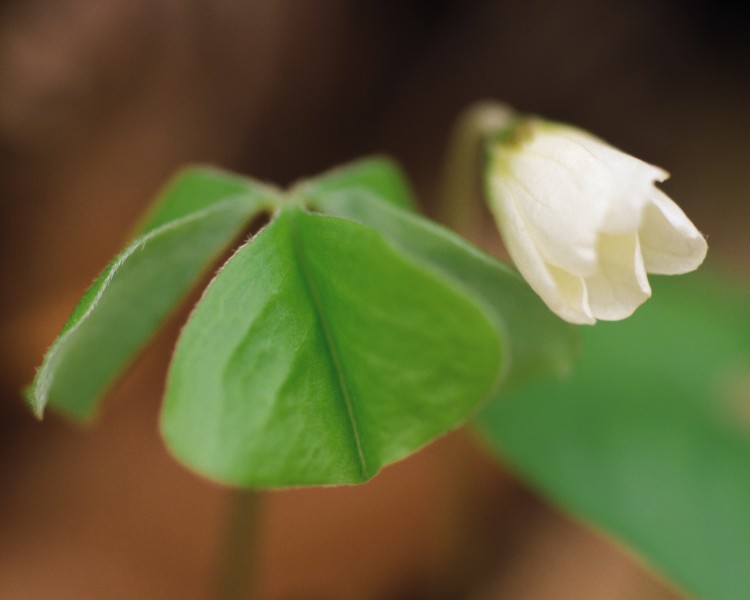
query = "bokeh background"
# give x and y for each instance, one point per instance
(101, 101)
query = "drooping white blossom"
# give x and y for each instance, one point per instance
(583, 221)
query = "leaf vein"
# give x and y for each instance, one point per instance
(331, 346)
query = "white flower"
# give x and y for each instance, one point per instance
(583, 221)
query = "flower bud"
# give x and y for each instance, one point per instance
(583, 221)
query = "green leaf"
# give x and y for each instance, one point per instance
(538, 342)
(379, 175)
(140, 287)
(319, 354)
(650, 438)
(196, 188)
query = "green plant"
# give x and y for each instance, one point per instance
(350, 331)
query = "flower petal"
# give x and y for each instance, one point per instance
(565, 179)
(615, 160)
(670, 242)
(565, 294)
(618, 185)
(620, 285)
(573, 298)
(562, 239)
(522, 247)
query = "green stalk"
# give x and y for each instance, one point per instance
(458, 204)
(238, 567)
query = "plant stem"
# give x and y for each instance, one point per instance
(238, 565)
(458, 203)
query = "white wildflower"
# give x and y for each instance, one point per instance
(583, 221)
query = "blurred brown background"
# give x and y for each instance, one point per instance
(101, 101)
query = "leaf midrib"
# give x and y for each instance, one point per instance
(330, 342)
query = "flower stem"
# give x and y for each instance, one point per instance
(458, 201)
(238, 566)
